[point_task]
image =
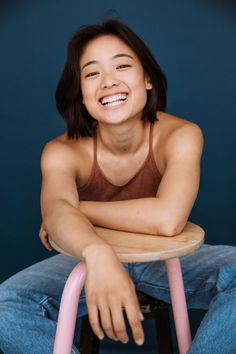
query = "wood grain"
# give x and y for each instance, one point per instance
(134, 247)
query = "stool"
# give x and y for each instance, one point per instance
(152, 309)
(134, 247)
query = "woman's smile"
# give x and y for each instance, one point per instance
(114, 101)
(112, 78)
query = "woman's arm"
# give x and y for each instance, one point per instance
(62, 219)
(107, 293)
(168, 213)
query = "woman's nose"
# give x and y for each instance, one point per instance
(109, 80)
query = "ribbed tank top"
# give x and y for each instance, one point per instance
(143, 184)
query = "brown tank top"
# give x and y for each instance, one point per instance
(143, 184)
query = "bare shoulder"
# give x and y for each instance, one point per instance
(63, 153)
(174, 130)
(56, 153)
(176, 136)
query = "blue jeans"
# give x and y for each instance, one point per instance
(30, 299)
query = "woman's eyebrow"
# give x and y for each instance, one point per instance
(113, 57)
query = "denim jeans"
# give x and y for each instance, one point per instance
(29, 300)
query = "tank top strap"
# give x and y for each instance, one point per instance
(144, 183)
(95, 150)
(150, 139)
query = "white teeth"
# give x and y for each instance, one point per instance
(114, 98)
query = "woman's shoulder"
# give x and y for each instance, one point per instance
(170, 126)
(172, 121)
(66, 150)
(172, 133)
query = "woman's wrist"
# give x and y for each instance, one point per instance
(95, 250)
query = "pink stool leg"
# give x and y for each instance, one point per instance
(179, 305)
(68, 310)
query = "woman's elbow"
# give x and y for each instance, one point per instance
(171, 228)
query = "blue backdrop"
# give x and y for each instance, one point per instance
(193, 40)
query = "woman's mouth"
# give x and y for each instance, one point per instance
(113, 100)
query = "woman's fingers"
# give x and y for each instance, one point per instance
(47, 244)
(119, 322)
(133, 314)
(113, 323)
(44, 238)
(106, 320)
(94, 320)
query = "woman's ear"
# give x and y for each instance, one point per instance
(148, 83)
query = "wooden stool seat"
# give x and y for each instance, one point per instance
(136, 247)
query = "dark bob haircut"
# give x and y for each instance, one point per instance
(68, 93)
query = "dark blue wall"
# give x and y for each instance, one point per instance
(194, 41)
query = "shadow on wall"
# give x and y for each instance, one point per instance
(7, 6)
(227, 7)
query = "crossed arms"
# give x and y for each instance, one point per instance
(166, 214)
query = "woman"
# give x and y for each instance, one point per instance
(132, 167)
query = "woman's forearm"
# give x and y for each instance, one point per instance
(145, 215)
(71, 230)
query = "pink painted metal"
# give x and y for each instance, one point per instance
(70, 299)
(179, 306)
(68, 310)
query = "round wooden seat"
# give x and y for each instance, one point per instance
(136, 247)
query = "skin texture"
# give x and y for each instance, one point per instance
(122, 145)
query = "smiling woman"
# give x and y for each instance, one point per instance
(89, 59)
(124, 164)
(114, 88)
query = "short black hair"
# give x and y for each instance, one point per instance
(68, 93)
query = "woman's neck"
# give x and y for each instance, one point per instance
(123, 139)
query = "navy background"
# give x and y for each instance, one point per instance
(194, 42)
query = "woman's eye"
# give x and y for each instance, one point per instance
(123, 66)
(91, 74)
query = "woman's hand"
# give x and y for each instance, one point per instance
(44, 238)
(109, 290)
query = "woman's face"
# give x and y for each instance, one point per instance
(113, 82)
